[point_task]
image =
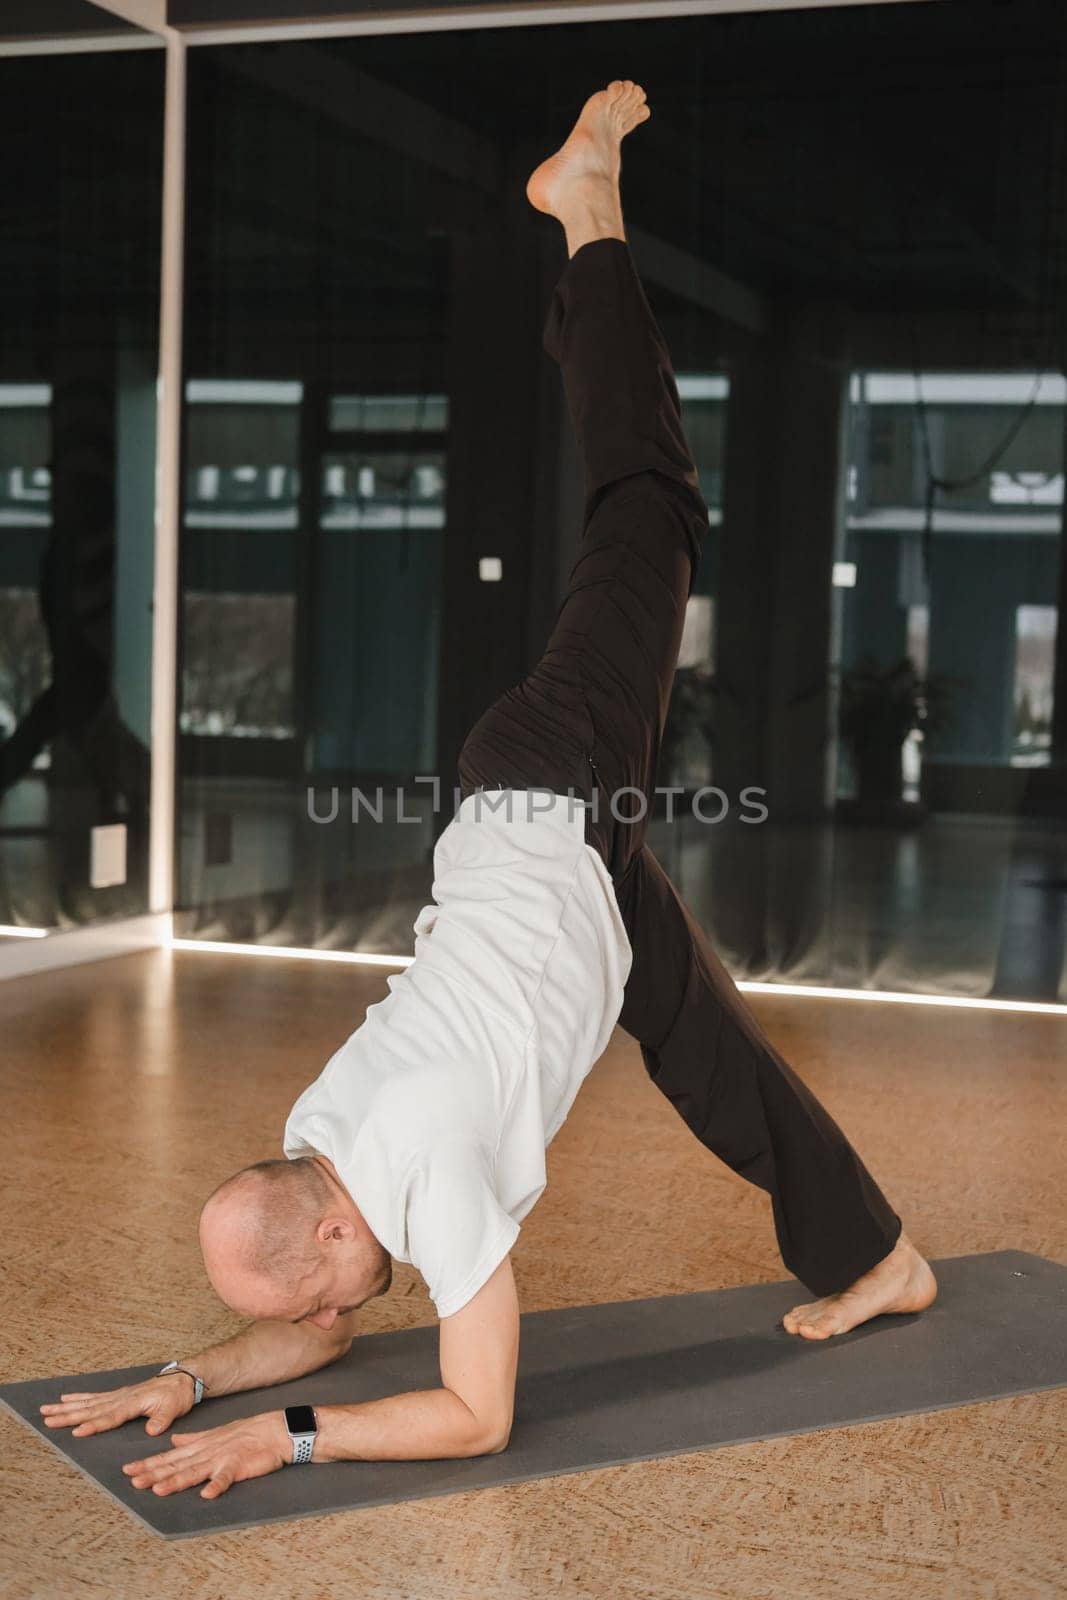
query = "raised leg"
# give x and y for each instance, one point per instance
(590, 714)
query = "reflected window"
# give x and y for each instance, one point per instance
(377, 489)
(25, 451)
(971, 601)
(241, 453)
(237, 668)
(25, 507)
(388, 413)
(241, 518)
(1035, 655)
(381, 519)
(25, 662)
(697, 646)
(918, 653)
(704, 397)
(686, 756)
(1009, 422)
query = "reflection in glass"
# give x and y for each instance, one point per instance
(25, 505)
(388, 413)
(381, 521)
(79, 317)
(1035, 656)
(867, 364)
(687, 757)
(379, 489)
(237, 665)
(966, 593)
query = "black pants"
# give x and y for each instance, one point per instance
(590, 716)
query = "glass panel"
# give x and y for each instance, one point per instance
(959, 593)
(381, 489)
(865, 341)
(238, 665)
(377, 614)
(79, 313)
(686, 757)
(1035, 665)
(388, 413)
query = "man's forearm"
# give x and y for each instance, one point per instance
(265, 1353)
(425, 1425)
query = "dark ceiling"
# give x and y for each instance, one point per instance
(894, 152)
(902, 158)
(20, 19)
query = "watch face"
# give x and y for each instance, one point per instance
(300, 1419)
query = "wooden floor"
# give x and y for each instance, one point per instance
(130, 1087)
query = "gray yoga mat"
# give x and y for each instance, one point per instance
(629, 1381)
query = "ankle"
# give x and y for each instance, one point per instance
(585, 220)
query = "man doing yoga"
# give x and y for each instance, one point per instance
(424, 1137)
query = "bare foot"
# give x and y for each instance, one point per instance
(579, 185)
(902, 1281)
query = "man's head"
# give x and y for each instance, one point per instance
(282, 1240)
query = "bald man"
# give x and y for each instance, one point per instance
(423, 1139)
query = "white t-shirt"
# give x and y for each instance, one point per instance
(437, 1111)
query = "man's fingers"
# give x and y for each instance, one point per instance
(105, 1410)
(167, 1482)
(165, 1459)
(77, 1415)
(186, 1479)
(70, 1407)
(220, 1482)
(164, 1476)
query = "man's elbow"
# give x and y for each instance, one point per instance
(498, 1441)
(486, 1436)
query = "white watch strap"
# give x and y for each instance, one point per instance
(303, 1444)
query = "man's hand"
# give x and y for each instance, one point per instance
(217, 1458)
(261, 1354)
(160, 1399)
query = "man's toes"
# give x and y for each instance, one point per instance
(809, 1321)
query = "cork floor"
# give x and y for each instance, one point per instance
(130, 1087)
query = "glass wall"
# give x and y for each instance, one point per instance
(852, 234)
(79, 315)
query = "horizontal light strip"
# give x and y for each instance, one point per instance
(78, 44)
(295, 952)
(442, 19)
(10, 930)
(801, 989)
(963, 388)
(893, 998)
(25, 394)
(698, 386)
(244, 391)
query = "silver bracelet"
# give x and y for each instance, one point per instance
(198, 1383)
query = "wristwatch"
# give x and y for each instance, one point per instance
(303, 1430)
(198, 1383)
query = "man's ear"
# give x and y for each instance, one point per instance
(334, 1228)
